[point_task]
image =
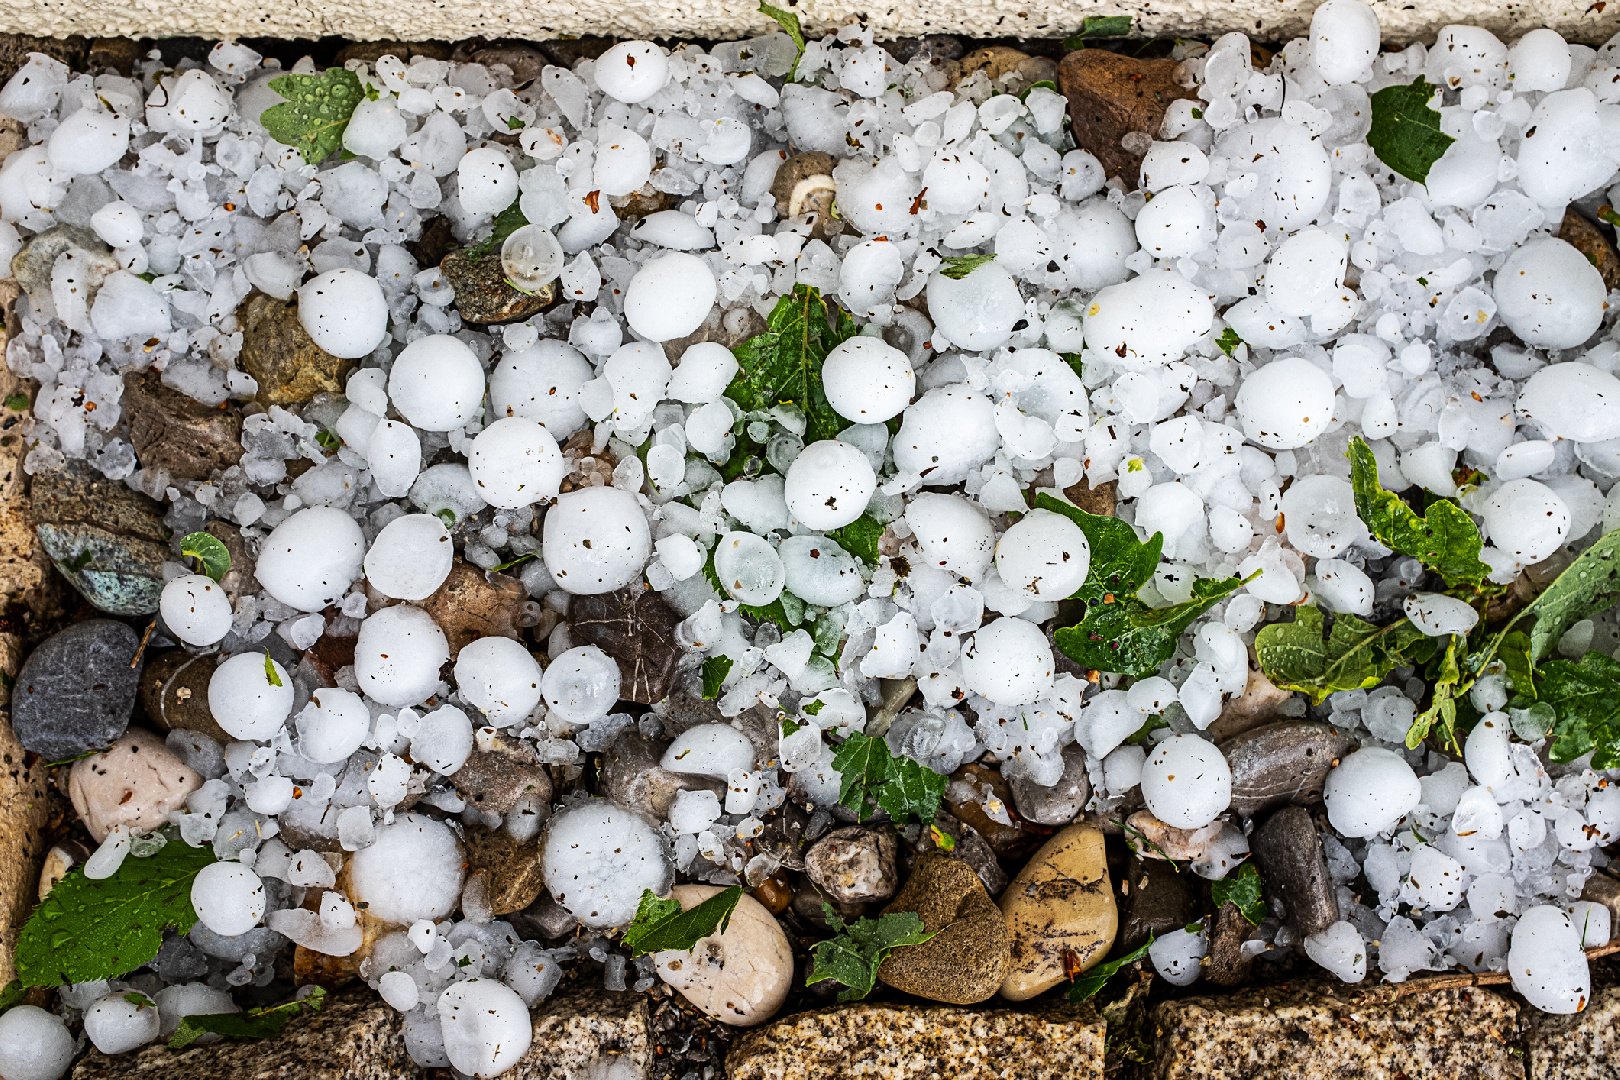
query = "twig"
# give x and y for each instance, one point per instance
(140, 650)
(1391, 991)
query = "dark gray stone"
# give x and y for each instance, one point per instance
(494, 780)
(1289, 853)
(632, 777)
(1063, 801)
(76, 692)
(543, 919)
(635, 627)
(1157, 899)
(971, 848)
(1282, 763)
(107, 540)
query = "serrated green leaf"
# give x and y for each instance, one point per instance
(863, 765)
(100, 929)
(1515, 654)
(784, 363)
(860, 538)
(715, 670)
(1585, 694)
(1304, 655)
(789, 22)
(1441, 714)
(1228, 341)
(270, 671)
(957, 267)
(506, 223)
(1243, 888)
(661, 925)
(911, 789)
(1086, 986)
(1445, 539)
(262, 1023)
(1120, 563)
(1589, 585)
(316, 113)
(872, 776)
(1405, 131)
(210, 553)
(854, 955)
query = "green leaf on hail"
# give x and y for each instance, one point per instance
(315, 113)
(1405, 132)
(1445, 539)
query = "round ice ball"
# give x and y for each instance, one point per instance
(516, 462)
(1286, 404)
(332, 726)
(1344, 42)
(443, 739)
(498, 677)
(1008, 661)
(398, 655)
(868, 380)
(1549, 295)
(244, 699)
(953, 534)
(582, 685)
(1176, 956)
(486, 1026)
(116, 1024)
(597, 861)
(228, 898)
(1370, 791)
(88, 141)
(945, 434)
(410, 558)
(829, 484)
(310, 560)
(1573, 401)
(1539, 61)
(34, 1044)
(531, 258)
(1149, 320)
(632, 71)
(1305, 271)
(1186, 782)
(595, 540)
(411, 871)
(1045, 555)
(820, 572)
(749, 568)
(1546, 961)
(344, 312)
(712, 750)
(436, 383)
(1526, 519)
(196, 609)
(486, 181)
(542, 384)
(670, 296)
(978, 311)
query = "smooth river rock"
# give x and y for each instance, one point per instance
(854, 865)
(76, 691)
(739, 977)
(1289, 853)
(1062, 901)
(1282, 763)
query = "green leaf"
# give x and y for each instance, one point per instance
(1590, 584)
(1586, 696)
(853, 956)
(661, 925)
(863, 766)
(317, 110)
(446, 515)
(1036, 85)
(1243, 888)
(11, 995)
(514, 123)
(1515, 654)
(270, 670)
(507, 222)
(100, 929)
(911, 789)
(1606, 214)
(1087, 985)
(957, 267)
(17, 402)
(942, 839)
(1076, 363)
(1120, 563)
(262, 1023)
(789, 22)
(1405, 132)
(871, 776)
(784, 364)
(715, 670)
(1228, 341)
(1303, 655)
(860, 538)
(1099, 26)
(328, 441)
(209, 552)
(512, 562)
(791, 726)
(1442, 711)
(1445, 539)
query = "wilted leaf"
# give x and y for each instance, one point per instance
(1304, 655)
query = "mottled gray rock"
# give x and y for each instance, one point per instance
(76, 692)
(1582, 1046)
(494, 780)
(484, 297)
(1289, 853)
(584, 1032)
(1063, 801)
(177, 434)
(1228, 966)
(513, 877)
(34, 264)
(856, 864)
(1282, 763)
(107, 540)
(632, 777)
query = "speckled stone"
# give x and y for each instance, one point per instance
(513, 878)
(76, 692)
(908, 1042)
(1584, 1046)
(966, 959)
(1313, 1031)
(584, 1032)
(107, 540)
(1061, 902)
(484, 297)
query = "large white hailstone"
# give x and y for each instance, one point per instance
(88, 141)
(310, 560)
(1526, 519)
(705, 370)
(486, 1026)
(486, 181)
(1008, 661)
(1321, 516)
(196, 609)
(1343, 587)
(868, 380)
(34, 1044)
(1306, 271)
(228, 898)
(1340, 948)
(1438, 615)
(1547, 963)
(1344, 42)
(829, 484)
(1177, 224)
(598, 859)
(1285, 404)
(1571, 401)
(1569, 147)
(1370, 791)
(1175, 510)
(443, 739)
(1549, 295)
(411, 871)
(116, 1024)
(500, 678)
(868, 275)
(978, 311)
(749, 568)
(670, 296)
(945, 434)
(1091, 243)
(531, 258)
(624, 160)
(436, 383)
(332, 726)
(515, 462)
(398, 655)
(1044, 554)
(953, 534)
(632, 71)
(1169, 164)
(638, 373)
(713, 750)
(582, 685)
(1176, 956)
(542, 384)
(245, 701)
(819, 572)
(595, 540)
(1149, 320)
(1539, 61)
(344, 312)
(1186, 782)
(410, 558)
(395, 457)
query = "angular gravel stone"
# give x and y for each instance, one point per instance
(177, 434)
(108, 541)
(635, 627)
(855, 865)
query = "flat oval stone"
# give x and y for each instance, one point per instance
(1061, 901)
(1282, 763)
(966, 959)
(76, 691)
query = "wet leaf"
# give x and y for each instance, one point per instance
(262, 1023)
(854, 955)
(1228, 341)
(1585, 694)
(860, 538)
(1405, 132)
(1445, 539)
(316, 113)
(661, 925)
(211, 555)
(1243, 888)
(270, 671)
(507, 222)
(715, 670)
(872, 776)
(1087, 985)
(789, 22)
(957, 267)
(1304, 655)
(784, 364)
(1591, 584)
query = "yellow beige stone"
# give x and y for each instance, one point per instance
(1061, 901)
